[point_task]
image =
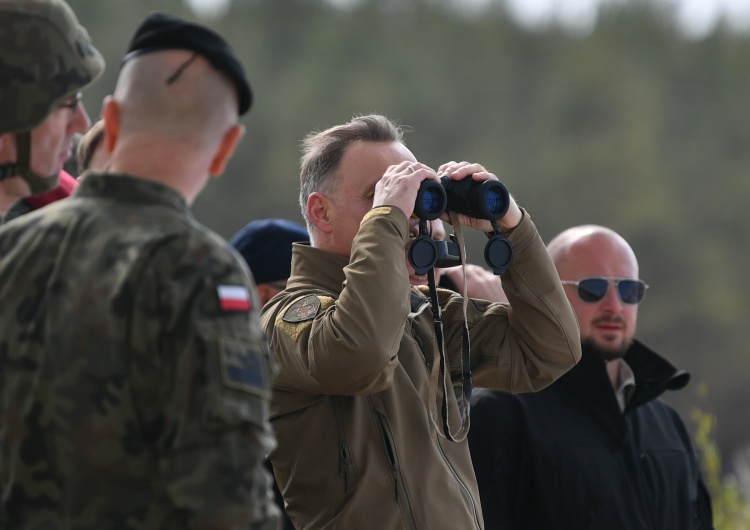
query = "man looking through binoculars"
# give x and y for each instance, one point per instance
(360, 441)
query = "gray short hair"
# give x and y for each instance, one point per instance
(322, 151)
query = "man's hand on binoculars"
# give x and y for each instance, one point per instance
(461, 170)
(398, 186)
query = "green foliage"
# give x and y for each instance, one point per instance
(730, 510)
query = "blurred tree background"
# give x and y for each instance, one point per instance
(629, 125)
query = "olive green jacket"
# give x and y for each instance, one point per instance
(357, 447)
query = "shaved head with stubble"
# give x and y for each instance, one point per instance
(172, 119)
(607, 326)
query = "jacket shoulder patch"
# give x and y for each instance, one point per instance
(298, 316)
(243, 368)
(234, 298)
(303, 309)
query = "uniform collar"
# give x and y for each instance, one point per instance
(321, 267)
(126, 188)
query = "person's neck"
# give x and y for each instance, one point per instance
(171, 168)
(611, 359)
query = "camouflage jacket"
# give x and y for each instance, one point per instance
(134, 377)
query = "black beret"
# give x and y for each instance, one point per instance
(266, 246)
(162, 31)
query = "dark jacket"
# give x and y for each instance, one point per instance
(568, 458)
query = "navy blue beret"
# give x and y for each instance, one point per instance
(266, 246)
(162, 31)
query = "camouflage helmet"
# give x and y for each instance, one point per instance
(46, 56)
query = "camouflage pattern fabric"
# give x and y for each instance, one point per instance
(45, 57)
(134, 381)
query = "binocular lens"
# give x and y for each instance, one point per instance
(494, 201)
(432, 202)
(486, 199)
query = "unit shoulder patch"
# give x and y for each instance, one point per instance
(303, 309)
(298, 317)
(243, 368)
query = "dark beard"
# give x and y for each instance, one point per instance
(589, 347)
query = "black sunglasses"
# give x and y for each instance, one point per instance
(594, 288)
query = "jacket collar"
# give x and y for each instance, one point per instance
(653, 375)
(326, 270)
(320, 267)
(126, 188)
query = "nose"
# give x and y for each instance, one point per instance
(80, 121)
(611, 300)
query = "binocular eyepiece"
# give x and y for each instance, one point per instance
(487, 199)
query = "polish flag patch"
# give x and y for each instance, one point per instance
(234, 298)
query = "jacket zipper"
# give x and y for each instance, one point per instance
(400, 492)
(343, 446)
(463, 486)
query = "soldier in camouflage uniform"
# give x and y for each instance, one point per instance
(45, 59)
(134, 376)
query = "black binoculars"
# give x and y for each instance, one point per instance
(487, 199)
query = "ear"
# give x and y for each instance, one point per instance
(111, 116)
(265, 293)
(320, 211)
(226, 148)
(6, 147)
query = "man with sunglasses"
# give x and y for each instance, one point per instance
(598, 449)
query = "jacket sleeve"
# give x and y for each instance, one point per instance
(350, 347)
(201, 373)
(527, 344)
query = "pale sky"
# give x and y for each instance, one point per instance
(696, 18)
